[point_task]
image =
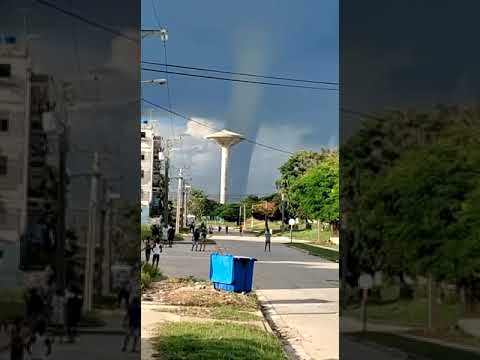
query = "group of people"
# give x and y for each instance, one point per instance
(153, 245)
(220, 228)
(199, 237)
(45, 307)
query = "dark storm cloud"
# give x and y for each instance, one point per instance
(105, 114)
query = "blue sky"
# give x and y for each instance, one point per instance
(296, 39)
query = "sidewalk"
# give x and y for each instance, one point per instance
(350, 325)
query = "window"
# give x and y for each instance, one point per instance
(143, 174)
(5, 70)
(142, 134)
(3, 165)
(3, 124)
(143, 156)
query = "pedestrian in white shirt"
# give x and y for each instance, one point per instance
(156, 250)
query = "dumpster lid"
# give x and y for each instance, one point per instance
(244, 258)
(221, 268)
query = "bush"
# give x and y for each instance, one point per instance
(146, 280)
(148, 275)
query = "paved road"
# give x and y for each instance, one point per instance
(300, 290)
(90, 347)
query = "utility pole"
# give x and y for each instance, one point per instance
(244, 215)
(107, 236)
(92, 236)
(185, 204)
(251, 220)
(179, 201)
(240, 214)
(165, 195)
(62, 204)
(283, 211)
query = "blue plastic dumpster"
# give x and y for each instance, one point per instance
(231, 273)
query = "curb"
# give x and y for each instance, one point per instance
(101, 332)
(97, 331)
(467, 348)
(293, 351)
(309, 253)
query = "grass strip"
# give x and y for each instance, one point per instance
(216, 340)
(225, 312)
(327, 254)
(415, 348)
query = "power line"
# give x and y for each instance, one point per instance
(164, 40)
(242, 74)
(360, 114)
(87, 21)
(212, 128)
(241, 81)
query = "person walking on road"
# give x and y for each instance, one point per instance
(73, 313)
(18, 339)
(40, 346)
(58, 313)
(132, 324)
(155, 232)
(157, 249)
(226, 229)
(170, 235)
(195, 239)
(148, 249)
(203, 244)
(268, 238)
(165, 235)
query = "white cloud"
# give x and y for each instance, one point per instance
(265, 163)
(202, 157)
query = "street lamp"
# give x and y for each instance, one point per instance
(161, 33)
(155, 81)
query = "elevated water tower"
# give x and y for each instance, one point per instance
(225, 139)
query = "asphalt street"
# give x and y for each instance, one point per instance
(300, 290)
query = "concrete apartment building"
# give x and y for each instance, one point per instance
(27, 163)
(15, 75)
(147, 151)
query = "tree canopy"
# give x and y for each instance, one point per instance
(317, 191)
(294, 169)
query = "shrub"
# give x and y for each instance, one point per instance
(148, 275)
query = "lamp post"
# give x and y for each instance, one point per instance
(154, 81)
(57, 122)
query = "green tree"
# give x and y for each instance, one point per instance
(383, 140)
(421, 214)
(295, 167)
(197, 203)
(317, 192)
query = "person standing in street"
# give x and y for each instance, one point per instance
(268, 238)
(132, 324)
(203, 244)
(165, 235)
(73, 313)
(195, 239)
(157, 249)
(40, 346)
(148, 249)
(18, 339)
(170, 235)
(58, 313)
(226, 229)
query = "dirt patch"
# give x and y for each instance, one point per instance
(191, 292)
